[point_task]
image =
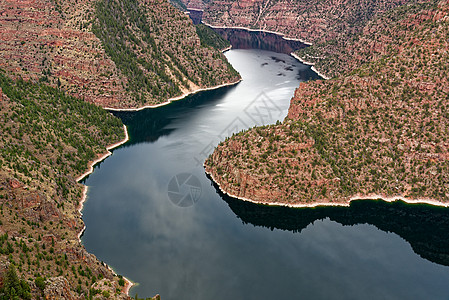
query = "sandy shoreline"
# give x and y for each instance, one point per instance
(170, 100)
(346, 204)
(195, 9)
(80, 211)
(319, 73)
(226, 49)
(90, 170)
(282, 35)
(301, 60)
(108, 148)
(399, 198)
(310, 64)
(128, 283)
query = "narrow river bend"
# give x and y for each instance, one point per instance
(194, 243)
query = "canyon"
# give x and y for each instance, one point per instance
(379, 127)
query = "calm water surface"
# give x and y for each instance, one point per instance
(220, 248)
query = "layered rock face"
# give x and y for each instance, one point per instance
(313, 21)
(42, 40)
(380, 129)
(377, 39)
(244, 39)
(152, 57)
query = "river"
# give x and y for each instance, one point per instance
(154, 216)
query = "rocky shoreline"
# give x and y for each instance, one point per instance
(318, 204)
(128, 283)
(101, 158)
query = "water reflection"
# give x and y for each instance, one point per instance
(204, 252)
(424, 226)
(245, 39)
(149, 125)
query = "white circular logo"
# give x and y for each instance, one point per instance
(184, 190)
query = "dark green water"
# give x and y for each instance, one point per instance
(208, 246)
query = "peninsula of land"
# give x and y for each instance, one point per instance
(379, 130)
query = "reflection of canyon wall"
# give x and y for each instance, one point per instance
(148, 125)
(423, 226)
(244, 39)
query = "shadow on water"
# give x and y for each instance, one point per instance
(245, 39)
(148, 125)
(424, 226)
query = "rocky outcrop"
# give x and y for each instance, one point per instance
(106, 289)
(58, 288)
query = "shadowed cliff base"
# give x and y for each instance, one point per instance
(253, 39)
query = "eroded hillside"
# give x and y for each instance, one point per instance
(40, 42)
(142, 54)
(157, 48)
(385, 35)
(313, 21)
(381, 129)
(47, 140)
